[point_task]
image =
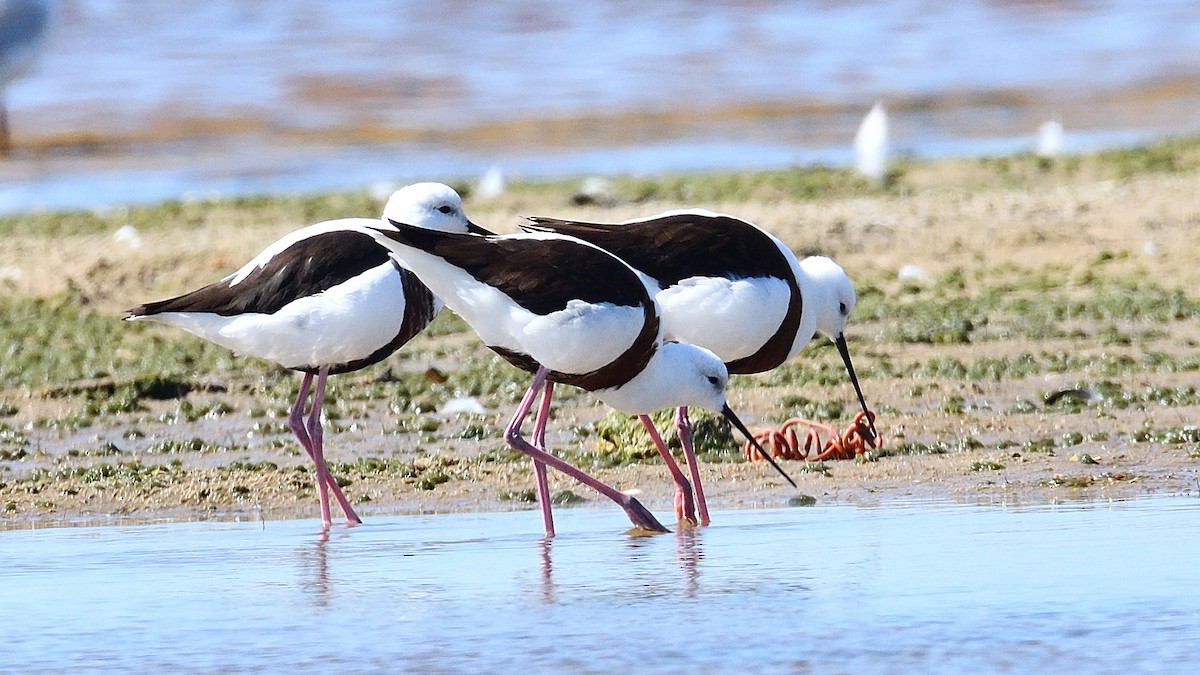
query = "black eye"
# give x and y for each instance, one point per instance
(446, 209)
(842, 308)
(712, 379)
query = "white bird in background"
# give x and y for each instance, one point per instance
(1050, 139)
(128, 235)
(871, 144)
(491, 184)
(24, 29)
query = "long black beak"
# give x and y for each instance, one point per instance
(475, 229)
(840, 341)
(733, 419)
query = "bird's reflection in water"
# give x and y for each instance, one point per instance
(549, 594)
(688, 554)
(647, 553)
(315, 561)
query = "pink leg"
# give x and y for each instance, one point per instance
(637, 513)
(685, 508)
(296, 422)
(683, 427)
(539, 469)
(315, 436)
(311, 437)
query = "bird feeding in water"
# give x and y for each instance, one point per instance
(727, 285)
(570, 313)
(323, 300)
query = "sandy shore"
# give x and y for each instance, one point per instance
(1034, 278)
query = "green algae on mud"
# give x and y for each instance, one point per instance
(618, 439)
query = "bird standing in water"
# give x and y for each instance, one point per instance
(323, 300)
(729, 286)
(570, 313)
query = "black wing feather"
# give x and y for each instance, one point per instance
(308, 267)
(679, 246)
(518, 268)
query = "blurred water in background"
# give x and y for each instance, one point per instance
(136, 101)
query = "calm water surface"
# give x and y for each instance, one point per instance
(1091, 588)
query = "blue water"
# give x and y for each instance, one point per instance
(136, 101)
(1104, 588)
(422, 65)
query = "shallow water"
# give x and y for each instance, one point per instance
(1089, 588)
(138, 101)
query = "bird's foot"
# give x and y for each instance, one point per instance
(685, 507)
(643, 521)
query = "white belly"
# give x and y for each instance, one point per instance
(344, 323)
(731, 318)
(582, 337)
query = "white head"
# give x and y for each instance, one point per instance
(678, 375)
(430, 205)
(699, 377)
(832, 297)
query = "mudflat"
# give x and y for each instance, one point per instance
(1026, 332)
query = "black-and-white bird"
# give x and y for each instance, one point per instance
(570, 313)
(729, 286)
(325, 299)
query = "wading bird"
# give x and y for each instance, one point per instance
(323, 300)
(570, 313)
(729, 286)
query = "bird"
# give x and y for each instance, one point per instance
(730, 286)
(24, 30)
(490, 185)
(871, 144)
(570, 313)
(1050, 139)
(322, 300)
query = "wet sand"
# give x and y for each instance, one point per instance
(1088, 229)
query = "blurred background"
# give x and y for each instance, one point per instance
(130, 101)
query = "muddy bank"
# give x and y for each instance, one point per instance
(1031, 277)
